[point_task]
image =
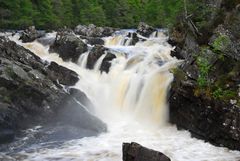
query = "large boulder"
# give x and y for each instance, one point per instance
(96, 53)
(68, 46)
(30, 96)
(94, 31)
(205, 94)
(31, 34)
(136, 152)
(62, 75)
(145, 30)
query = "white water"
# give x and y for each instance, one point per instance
(131, 100)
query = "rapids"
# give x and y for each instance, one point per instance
(131, 99)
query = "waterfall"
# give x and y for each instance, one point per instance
(131, 99)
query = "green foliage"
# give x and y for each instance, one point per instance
(221, 43)
(221, 94)
(49, 14)
(204, 67)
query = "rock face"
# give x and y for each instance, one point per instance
(93, 31)
(96, 53)
(145, 30)
(136, 152)
(205, 95)
(30, 95)
(31, 34)
(68, 46)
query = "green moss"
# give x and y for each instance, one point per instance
(204, 67)
(221, 94)
(179, 73)
(221, 43)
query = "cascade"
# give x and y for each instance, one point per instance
(131, 99)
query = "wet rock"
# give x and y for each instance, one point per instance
(81, 97)
(136, 152)
(75, 115)
(145, 30)
(68, 46)
(31, 34)
(93, 31)
(30, 95)
(93, 40)
(62, 75)
(96, 53)
(134, 38)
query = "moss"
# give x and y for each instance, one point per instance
(224, 95)
(221, 43)
(178, 73)
(204, 67)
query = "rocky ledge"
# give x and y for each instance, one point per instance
(33, 93)
(205, 95)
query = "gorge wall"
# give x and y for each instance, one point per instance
(205, 95)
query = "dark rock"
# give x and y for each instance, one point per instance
(61, 74)
(204, 97)
(31, 34)
(96, 53)
(106, 64)
(93, 40)
(30, 95)
(81, 97)
(145, 30)
(93, 31)
(134, 38)
(136, 152)
(75, 115)
(68, 46)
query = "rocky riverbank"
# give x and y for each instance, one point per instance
(33, 92)
(205, 95)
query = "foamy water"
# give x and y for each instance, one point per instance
(131, 100)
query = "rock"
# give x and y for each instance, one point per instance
(93, 40)
(62, 75)
(207, 82)
(106, 63)
(134, 38)
(136, 152)
(30, 96)
(145, 30)
(93, 31)
(68, 46)
(96, 53)
(31, 34)
(81, 97)
(75, 115)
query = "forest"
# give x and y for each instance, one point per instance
(52, 14)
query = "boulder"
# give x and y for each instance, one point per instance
(81, 97)
(145, 30)
(93, 31)
(31, 34)
(68, 46)
(30, 96)
(93, 40)
(96, 53)
(136, 152)
(62, 75)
